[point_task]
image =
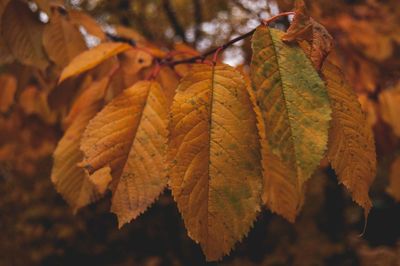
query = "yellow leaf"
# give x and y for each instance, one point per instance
(62, 40)
(215, 170)
(22, 32)
(129, 135)
(351, 148)
(389, 101)
(71, 181)
(93, 57)
(8, 87)
(394, 179)
(295, 116)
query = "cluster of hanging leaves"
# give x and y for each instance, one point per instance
(224, 141)
(368, 45)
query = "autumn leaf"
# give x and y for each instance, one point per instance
(295, 116)
(34, 102)
(93, 57)
(351, 148)
(22, 32)
(169, 81)
(61, 39)
(394, 179)
(305, 28)
(215, 170)
(390, 108)
(94, 93)
(129, 135)
(8, 87)
(5, 54)
(71, 181)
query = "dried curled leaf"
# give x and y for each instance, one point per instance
(22, 32)
(305, 28)
(62, 40)
(71, 181)
(351, 148)
(215, 162)
(294, 122)
(394, 179)
(93, 57)
(129, 135)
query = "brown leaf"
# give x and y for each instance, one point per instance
(129, 135)
(62, 40)
(305, 28)
(394, 179)
(389, 106)
(8, 87)
(34, 102)
(22, 32)
(351, 148)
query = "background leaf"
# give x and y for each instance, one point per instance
(22, 32)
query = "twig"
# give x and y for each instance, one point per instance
(202, 57)
(173, 19)
(198, 19)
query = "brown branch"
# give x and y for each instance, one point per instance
(198, 19)
(173, 19)
(202, 57)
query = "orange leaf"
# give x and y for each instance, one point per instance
(351, 147)
(71, 181)
(8, 87)
(394, 179)
(94, 93)
(129, 135)
(214, 149)
(389, 101)
(22, 32)
(93, 57)
(62, 40)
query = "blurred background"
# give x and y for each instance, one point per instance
(38, 228)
